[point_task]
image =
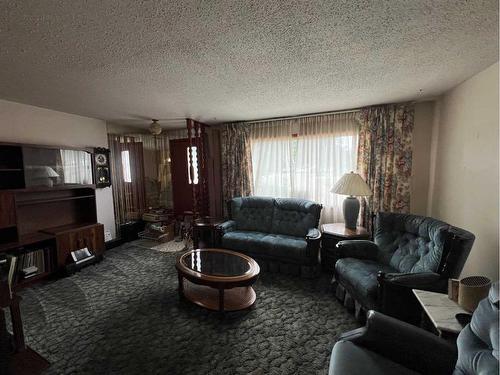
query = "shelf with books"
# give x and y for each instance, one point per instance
(31, 263)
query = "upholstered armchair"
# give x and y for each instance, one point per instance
(408, 252)
(388, 346)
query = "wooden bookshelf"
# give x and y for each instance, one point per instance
(55, 216)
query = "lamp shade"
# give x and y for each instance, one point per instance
(42, 171)
(352, 184)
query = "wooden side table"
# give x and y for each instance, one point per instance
(331, 235)
(204, 233)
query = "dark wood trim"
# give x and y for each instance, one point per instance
(86, 149)
(339, 230)
(54, 188)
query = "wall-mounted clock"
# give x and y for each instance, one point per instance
(101, 167)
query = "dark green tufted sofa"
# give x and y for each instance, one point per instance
(408, 252)
(280, 233)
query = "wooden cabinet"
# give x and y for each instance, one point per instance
(74, 237)
(7, 210)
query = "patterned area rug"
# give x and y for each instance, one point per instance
(165, 247)
(123, 316)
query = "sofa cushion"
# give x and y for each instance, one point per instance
(294, 217)
(410, 243)
(360, 276)
(286, 247)
(350, 359)
(244, 241)
(253, 213)
(269, 246)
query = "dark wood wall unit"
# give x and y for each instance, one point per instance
(73, 237)
(11, 167)
(7, 210)
(57, 219)
(60, 207)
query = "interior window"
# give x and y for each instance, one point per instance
(127, 175)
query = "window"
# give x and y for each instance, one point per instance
(193, 170)
(303, 159)
(127, 175)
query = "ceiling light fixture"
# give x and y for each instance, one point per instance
(155, 128)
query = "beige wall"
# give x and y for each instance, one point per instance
(464, 167)
(28, 124)
(422, 136)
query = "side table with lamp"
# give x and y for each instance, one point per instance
(353, 185)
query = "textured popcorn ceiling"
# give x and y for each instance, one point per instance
(225, 60)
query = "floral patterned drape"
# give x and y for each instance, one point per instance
(236, 162)
(385, 157)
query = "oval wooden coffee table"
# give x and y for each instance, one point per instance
(217, 279)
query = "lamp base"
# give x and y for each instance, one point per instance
(351, 212)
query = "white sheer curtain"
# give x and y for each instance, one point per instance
(271, 158)
(304, 157)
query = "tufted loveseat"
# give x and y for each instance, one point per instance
(408, 251)
(280, 233)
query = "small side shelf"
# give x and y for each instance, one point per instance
(52, 200)
(26, 282)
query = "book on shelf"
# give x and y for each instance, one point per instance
(31, 263)
(12, 275)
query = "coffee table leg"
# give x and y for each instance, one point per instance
(221, 300)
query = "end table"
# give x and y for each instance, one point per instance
(440, 311)
(204, 232)
(331, 235)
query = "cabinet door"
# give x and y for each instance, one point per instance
(92, 238)
(66, 243)
(7, 210)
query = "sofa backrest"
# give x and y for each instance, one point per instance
(289, 216)
(294, 217)
(252, 213)
(478, 351)
(411, 243)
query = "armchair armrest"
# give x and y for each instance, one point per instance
(405, 344)
(226, 226)
(395, 297)
(313, 235)
(420, 280)
(361, 249)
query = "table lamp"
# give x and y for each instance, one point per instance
(353, 185)
(42, 175)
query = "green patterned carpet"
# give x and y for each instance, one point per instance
(123, 316)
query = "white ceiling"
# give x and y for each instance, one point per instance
(221, 60)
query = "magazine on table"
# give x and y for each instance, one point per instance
(82, 255)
